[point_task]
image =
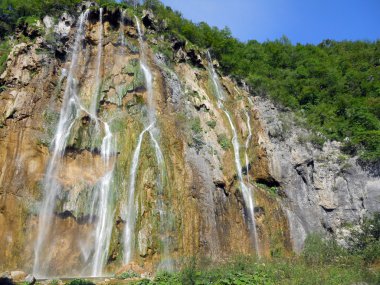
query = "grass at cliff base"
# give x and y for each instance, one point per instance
(248, 270)
(322, 261)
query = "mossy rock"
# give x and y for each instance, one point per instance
(132, 67)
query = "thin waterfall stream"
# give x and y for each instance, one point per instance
(95, 96)
(249, 137)
(103, 229)
(154, 132)
(246, 191)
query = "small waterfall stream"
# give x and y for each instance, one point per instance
(103, 229)
(246, 191)
(154, 133)
(130, 208)
(249, 137)
(95, 96)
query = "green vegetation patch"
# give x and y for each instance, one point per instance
(224, 141)
(322, 261)
(211, 124)
(5, 49)
(128, 275)
(80, 282)
(196, 125)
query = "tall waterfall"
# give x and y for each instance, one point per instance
(95, 250)
(95, 96)
(66, 121)
(154, 132)
(249, 137)
(247, 192)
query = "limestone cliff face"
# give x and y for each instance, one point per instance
(298, 189)
(324, 189)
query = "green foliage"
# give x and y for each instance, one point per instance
(224, 141)
(211, 124)
(54, 282)
(322, 251)
(196, 126)
(273, 191)
(365, 240)
(80, 282)
(5, 48)
(303, 270)
(13, 12)
(127, 275)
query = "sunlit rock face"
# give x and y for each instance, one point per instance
(191, 203)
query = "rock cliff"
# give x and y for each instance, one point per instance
(192, 203)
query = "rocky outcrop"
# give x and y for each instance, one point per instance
(325, 189)
(16, 277)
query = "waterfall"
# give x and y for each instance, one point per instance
(122, 32)
(50, 184)
(148, 76)
(95, 96)
(249, 137)
(130, 209)
(154, 132)
(103, 229)
(94, 251)
(246, 191)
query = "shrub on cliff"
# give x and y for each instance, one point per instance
(365, 241)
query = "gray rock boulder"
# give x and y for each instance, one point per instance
(30, 279)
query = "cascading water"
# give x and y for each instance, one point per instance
(51, 185)
(95, 250)
(102, 197)
(153, 131)
(95, 96)
(247, 193)
(130, 209)
(103, 229)
(249, 137)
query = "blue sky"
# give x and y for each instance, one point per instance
(304, 21)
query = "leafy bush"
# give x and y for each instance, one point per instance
(249, 270)
(365, 240)
(127, 275)
(224, 141)
(319, 250)
(5, 48)
(80, 282)
(196, 126)
(211, 124)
